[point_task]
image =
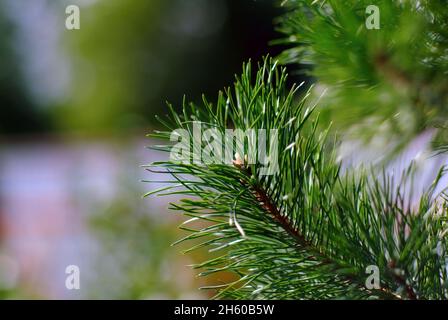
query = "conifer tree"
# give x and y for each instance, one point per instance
(317, 228)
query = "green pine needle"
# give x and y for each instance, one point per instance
(309, 231)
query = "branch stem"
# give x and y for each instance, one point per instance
(268, 205)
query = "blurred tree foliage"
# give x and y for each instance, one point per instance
(136, 260)
(390, 82)
(17, 111)
(131, 56)
(128, 57)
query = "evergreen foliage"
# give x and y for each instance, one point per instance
(394, 78)
(310, 230)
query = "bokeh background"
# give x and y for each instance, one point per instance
(75, 106)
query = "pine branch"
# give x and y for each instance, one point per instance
(402, 282)
(267, 204)
(405, 61)
(307, 231)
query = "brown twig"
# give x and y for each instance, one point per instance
(402, 281)
(268, 205)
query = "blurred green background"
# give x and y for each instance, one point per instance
(75, 108)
